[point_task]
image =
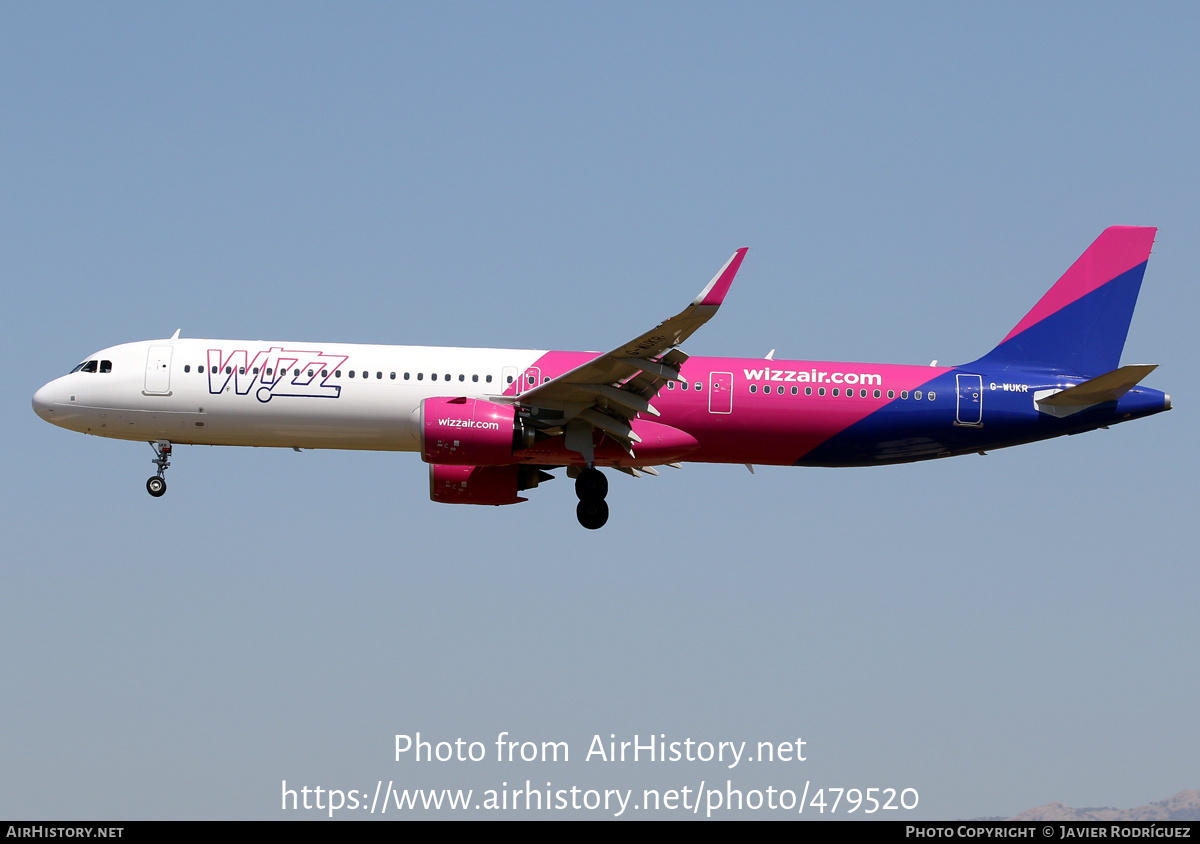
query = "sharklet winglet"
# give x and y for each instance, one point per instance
(714, 293)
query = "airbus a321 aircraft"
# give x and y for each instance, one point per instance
(492, 423)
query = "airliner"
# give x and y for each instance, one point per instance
(493, 423)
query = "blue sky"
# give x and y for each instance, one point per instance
(996, 632)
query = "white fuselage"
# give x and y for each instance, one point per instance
(260, 393)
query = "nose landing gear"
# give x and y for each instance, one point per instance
(157, 485)
(591, 486)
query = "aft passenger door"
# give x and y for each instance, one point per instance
(970, 400)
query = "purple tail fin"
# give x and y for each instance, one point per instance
(1081, 323)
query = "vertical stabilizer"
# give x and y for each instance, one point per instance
(1081, 323)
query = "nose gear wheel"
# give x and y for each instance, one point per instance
(157, 485)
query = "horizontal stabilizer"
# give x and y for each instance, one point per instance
(1108, 387)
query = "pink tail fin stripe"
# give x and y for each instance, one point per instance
(1117, 250)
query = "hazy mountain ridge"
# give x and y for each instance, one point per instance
(1184, 806)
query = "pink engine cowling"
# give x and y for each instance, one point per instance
(482, 484)
(464, 431)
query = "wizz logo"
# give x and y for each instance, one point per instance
(275, 372)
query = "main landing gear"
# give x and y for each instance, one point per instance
(591, 486)
(157, 485)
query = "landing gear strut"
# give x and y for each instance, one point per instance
(591, 486)
(157, 485)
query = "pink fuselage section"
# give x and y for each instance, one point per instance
(741, 410)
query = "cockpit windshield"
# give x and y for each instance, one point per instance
(93, 366)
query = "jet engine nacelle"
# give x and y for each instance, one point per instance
(482, 484)
(463, 431)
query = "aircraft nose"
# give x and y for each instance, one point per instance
(43, 402)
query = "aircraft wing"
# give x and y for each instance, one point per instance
(611, 389)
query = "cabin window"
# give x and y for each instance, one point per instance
(904, 394)
(876, 394)
(488, 379)
(337, 373)
(917, 395)
(862, 394)
(311, 373)
(420, 376)
(754, 388)
(795, 391)
(683, 385)
(836, 393)
(393, 376)
(891, 394)
(699, 386)
(351, 373)
(529, 378)
(510, 379)
(475, 378)
(808, 391)
(462, 378)
(670, 384)
(187, 368)
(324, 373)
(406, 376)
(932, 395)
(255, 370)
(378, 376)
(820, 391)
